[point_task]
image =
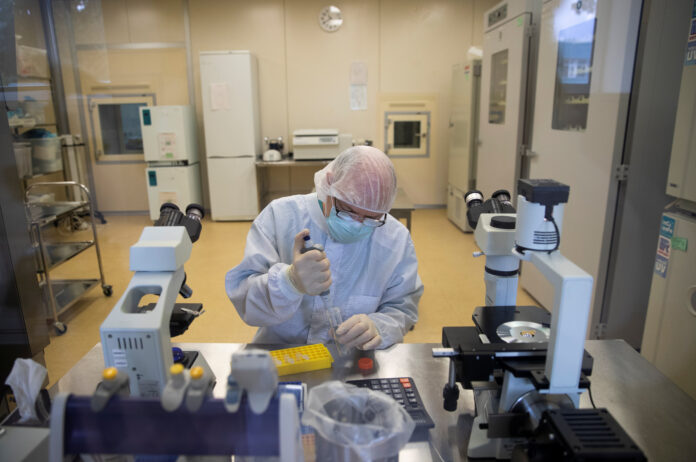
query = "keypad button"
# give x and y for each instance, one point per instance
(404, 380)
(401, 401)
(398, 395)
(407, 385)
(394, 380)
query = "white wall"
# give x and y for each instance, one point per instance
(409, 46)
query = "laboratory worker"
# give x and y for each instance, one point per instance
(368, 264)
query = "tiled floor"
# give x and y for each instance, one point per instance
(453, 282)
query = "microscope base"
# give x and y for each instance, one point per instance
(481, 446)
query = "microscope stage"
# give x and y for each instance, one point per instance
(492, 321)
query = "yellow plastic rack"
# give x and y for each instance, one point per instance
(302, 359)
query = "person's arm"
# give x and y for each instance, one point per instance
(259, 287)
(398, 309)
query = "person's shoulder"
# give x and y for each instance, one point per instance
(393, 234)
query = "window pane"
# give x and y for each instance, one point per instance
(120, 128)
(573, 75)
(498, 93)
(407, 134)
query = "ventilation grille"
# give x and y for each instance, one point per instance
(129, 343)
(545, 237)
(593, 434)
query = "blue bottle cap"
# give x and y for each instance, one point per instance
(178, 354)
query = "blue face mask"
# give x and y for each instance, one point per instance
(346, 231)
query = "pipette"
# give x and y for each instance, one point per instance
(333, 314)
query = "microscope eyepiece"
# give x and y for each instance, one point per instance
(169, 206)
(195, 212)
(171, 215)
(473, 198)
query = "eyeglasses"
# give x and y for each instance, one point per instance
(369, 222)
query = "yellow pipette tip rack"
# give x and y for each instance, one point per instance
(302, 359)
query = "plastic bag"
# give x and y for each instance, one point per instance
(26, 379)
(362, 423)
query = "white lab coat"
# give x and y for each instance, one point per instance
(377, 276)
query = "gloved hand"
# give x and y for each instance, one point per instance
(359, 331)
(310, 272)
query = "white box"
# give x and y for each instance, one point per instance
(169, 133)
(180, 185)
(319, 144)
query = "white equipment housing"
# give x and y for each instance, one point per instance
(319, 144)
(171, 151)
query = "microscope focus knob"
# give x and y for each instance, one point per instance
(451, 395)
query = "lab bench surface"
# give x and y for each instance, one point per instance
(659, 416)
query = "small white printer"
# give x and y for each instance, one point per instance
(316, 144)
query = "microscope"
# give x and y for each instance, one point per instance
(526, 366)
(136, 338)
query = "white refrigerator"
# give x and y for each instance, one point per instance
(229, 90)
(171, 152)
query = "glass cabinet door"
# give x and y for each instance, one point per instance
(498, 91)
(573, 76)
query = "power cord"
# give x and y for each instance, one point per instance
(548, 216)
(558, 234)
(589, 392)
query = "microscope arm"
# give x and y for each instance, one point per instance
(570, 314)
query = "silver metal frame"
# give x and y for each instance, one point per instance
(93, 132)
(35, 230)
(427, 138)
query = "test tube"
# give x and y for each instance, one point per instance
(335, 319)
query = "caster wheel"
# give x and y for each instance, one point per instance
(60, 328)
(108, 290)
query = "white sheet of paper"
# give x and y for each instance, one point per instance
(358, 73)
(358, 97)
(219, 96)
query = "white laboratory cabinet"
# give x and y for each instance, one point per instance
(583, 85)
(171, 151)
(669, 338)
(180, 185)
(463, 131)
(231, 119)
(509, 43)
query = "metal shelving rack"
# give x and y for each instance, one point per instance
(62, 293)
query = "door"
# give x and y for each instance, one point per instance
(503, 87)
(232, 183)
(586, 57)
